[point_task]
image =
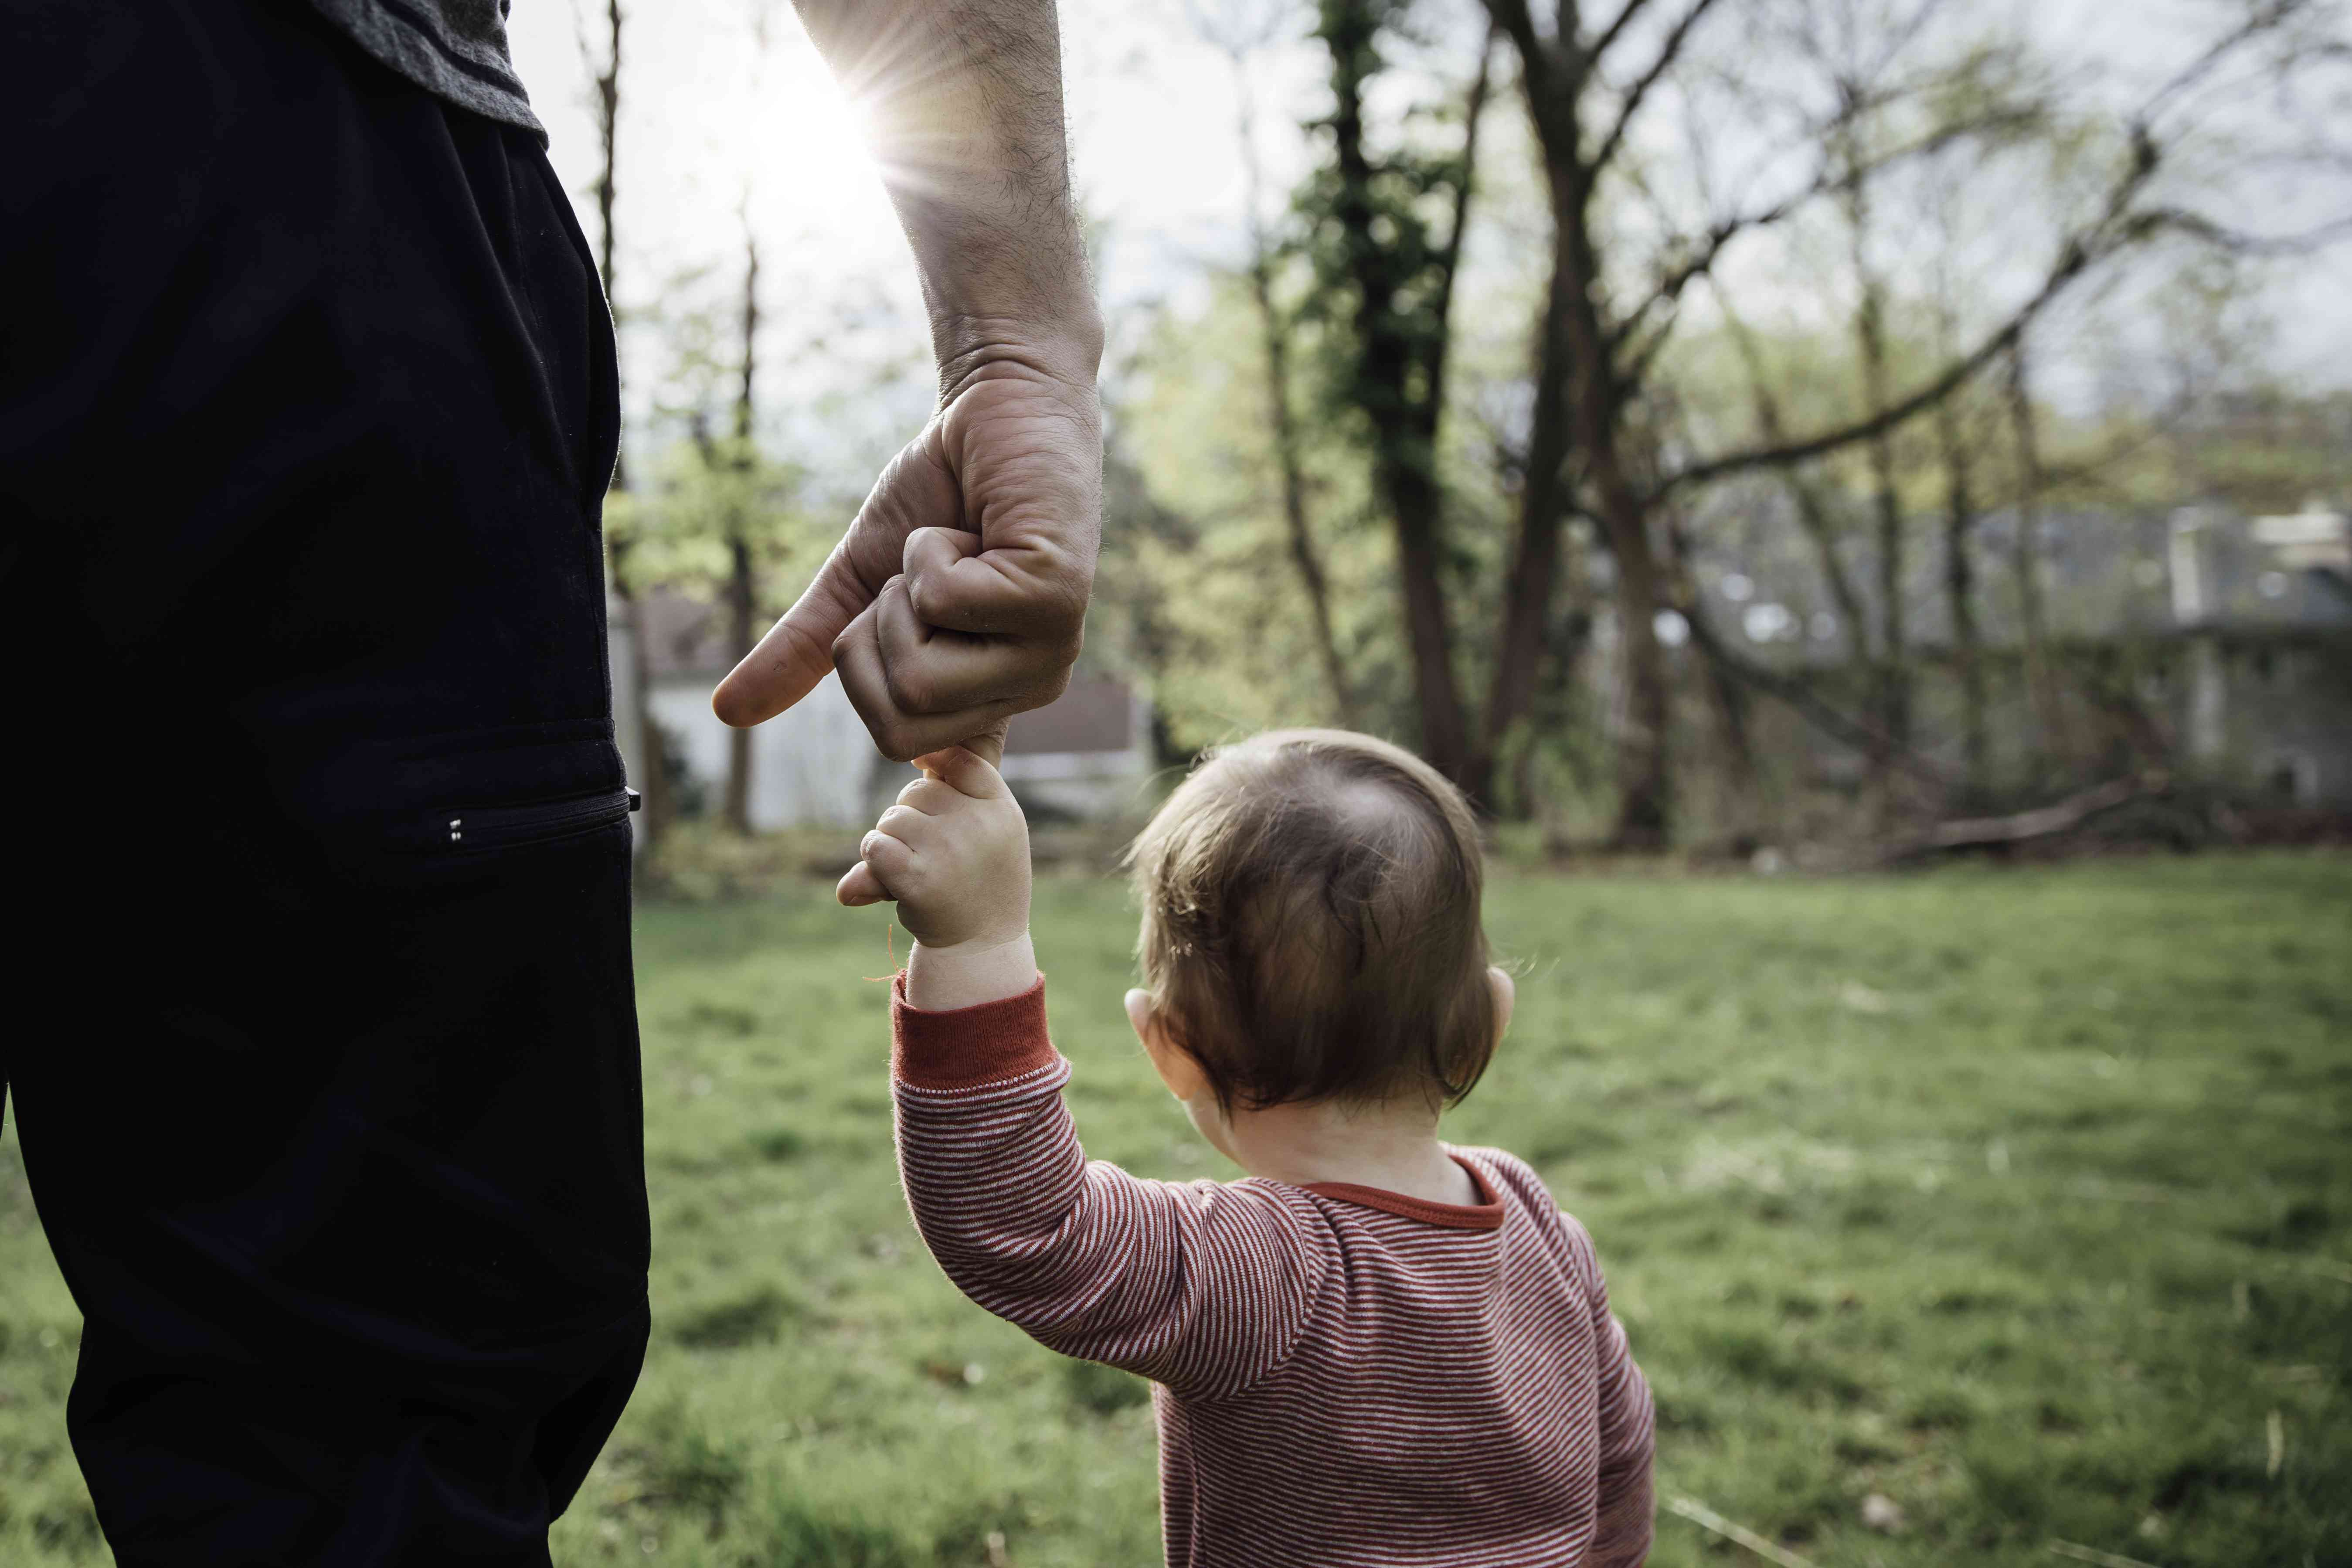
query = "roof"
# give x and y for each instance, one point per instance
(1096, 714)
(684, 636)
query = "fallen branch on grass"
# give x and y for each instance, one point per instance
(2043, 822)
(1706, 1518)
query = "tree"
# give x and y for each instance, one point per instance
(1238, 35)
(1385, 280)
(743, 622)
(1584, 112)
(722, 518)
(1959, 437)
(605, 75)
(2025, 567)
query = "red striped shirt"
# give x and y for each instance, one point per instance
(1345, 1376)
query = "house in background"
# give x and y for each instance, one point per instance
(1085, 756)
(2220, 643)
(2262, 611)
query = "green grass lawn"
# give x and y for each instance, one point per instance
(2022, 1200)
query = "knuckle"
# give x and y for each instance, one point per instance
(914, 691)
(923, 595)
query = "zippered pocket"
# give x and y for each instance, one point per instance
(503, 826)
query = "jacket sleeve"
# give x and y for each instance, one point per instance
(1623, 1518)
(1201, 1286)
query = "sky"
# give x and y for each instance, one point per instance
(719, 125)
(714, 125)
(1152, 109)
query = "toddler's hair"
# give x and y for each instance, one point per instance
(1310, 922)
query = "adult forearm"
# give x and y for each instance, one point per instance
(965, 101)
(988, 523)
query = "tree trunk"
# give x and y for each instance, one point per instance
(743, 630)
(742, 600)
(1304, 555)
(1959, 593)
(2041, 693)
(1553, 78)
(1729, 700)
(1535, 556)
(654, 813)
(1645, 778)
(1893, 672)
(1404, 462)
(1445, 728)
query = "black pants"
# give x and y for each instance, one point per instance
(322, 1040)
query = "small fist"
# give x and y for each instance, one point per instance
(953, 854)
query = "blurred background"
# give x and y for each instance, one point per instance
(1760, 426)
(1855, 488)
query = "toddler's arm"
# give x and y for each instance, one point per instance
(1622, 1525)
(1200, 1286)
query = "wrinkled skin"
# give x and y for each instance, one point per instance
(957, 596)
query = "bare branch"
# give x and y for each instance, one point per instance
(2071, 264)
(1634, 369)
(2116, 228)
(1450, 258)
(1610, 34)
(1274, 339)
(2244, 244)
(1699, 260)
(588, 61)
(1640, 89)
(2261, 19)
(2112, 232)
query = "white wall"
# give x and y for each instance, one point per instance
(813, 763)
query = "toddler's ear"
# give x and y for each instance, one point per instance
(1507, 995)
(1174, 1064)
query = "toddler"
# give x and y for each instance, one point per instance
(1377, 1348)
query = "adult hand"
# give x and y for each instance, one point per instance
(957, 596)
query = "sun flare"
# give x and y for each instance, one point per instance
(818, 140)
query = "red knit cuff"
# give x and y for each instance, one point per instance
(970, 1045)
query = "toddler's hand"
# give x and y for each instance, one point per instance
(954, 855)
